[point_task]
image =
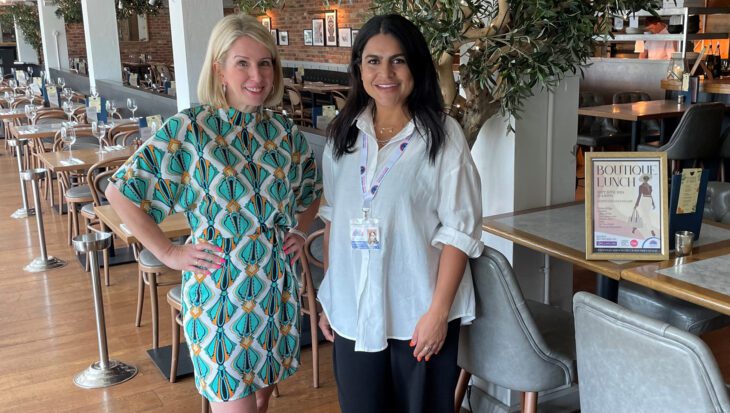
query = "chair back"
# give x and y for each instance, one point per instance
(503, 345)
(697, 136)
(126, 138)
(115, 133)
(50, 116)
(630, 363)
(295, 99)
(98, 178)
(84, 139)
(340, 99)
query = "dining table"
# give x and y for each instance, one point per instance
(637, 112)
(559, 231)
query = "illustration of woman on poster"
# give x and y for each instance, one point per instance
(643, 216)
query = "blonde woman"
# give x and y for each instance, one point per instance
(248, 184)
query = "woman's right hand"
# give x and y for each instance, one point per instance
(199, 258)
(324, 325)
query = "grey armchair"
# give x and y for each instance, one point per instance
(514, 343)
(697, 137)
(629, 363)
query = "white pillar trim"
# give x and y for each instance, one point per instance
(102, 41)
(53, 35)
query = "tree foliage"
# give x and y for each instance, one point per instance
(27, 19)
(71, 11)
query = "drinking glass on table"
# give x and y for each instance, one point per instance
(68, 109)
(99, 130)
(30, 112)
(68, 136)
(132, 106)
(67, 93)
(61, 82)
(111, 108)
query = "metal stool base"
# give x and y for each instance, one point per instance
(38, 265)
(23, 213)
(95, 377)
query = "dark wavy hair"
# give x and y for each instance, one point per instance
(425, 103)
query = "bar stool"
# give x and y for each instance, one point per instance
(149, 267)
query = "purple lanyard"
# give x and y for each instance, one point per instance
(368, 195)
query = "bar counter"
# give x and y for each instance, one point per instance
(720, 86)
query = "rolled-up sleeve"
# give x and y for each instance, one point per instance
(309, 187)
(460, 204)
(325, 208)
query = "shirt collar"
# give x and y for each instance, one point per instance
(366, 124)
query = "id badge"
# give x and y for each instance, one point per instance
(365, 234)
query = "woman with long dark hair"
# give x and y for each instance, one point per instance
(402, 213)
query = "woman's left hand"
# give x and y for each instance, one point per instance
(293, 245)
(429, 335)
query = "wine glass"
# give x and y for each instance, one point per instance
(98, 129)
(132, 106)
(30, 112)
(61, 82)
(68, 136)
(111, 108)
(68, 93)
(68, 108)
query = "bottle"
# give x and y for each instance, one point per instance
(710, 61)
(717, 70)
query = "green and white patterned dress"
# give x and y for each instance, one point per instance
(240, 178)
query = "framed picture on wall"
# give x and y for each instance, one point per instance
(266, 21)
(308, 37)
(354, 35)
(317, 32)
(344, 35)
(330, 38)
(283, 38)
(275, 35)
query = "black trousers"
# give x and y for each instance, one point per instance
(393, 380)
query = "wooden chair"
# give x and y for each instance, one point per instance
(296, 109)
(70, 184)
(311, 265)
(98, 179)
(117, 133)
(340, 100)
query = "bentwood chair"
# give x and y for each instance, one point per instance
(298, 113)
(116, 133)
(97, 178)
(312, 276)
(514, 343)
(630, 363)
(340, 99)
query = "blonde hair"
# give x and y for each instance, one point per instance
(225, 33)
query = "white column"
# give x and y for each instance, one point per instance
(26, 52)
(102, 41)
(191, 22)
(53, 34)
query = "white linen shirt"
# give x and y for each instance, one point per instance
(372, 296)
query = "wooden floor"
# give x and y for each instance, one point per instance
(47, 332)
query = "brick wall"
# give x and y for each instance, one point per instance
(159, 44)
(297, 16)
(293, 18)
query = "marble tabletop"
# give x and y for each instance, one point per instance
(712, 273)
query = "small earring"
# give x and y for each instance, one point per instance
(224, 87)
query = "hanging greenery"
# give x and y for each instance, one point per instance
(70, 10)
(27, 18)
(255, 7)
(139, 7)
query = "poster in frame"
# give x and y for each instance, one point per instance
(275, 35)
(344, 35)
(283, 38)
(317, 32)
(626, 206)
(330, 28)
(308, 37)
(354, 35)
(266, 21)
